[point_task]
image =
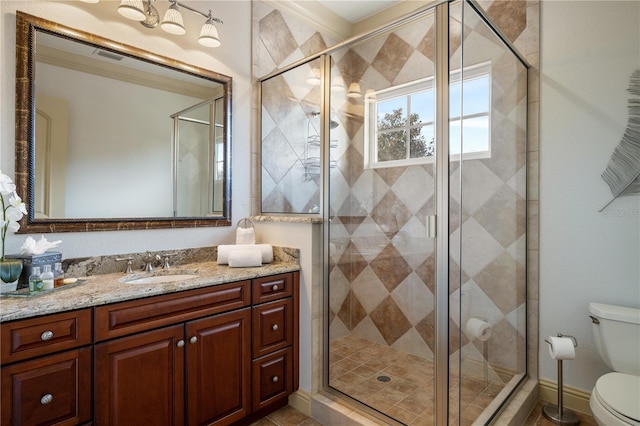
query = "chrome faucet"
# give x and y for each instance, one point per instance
(165, 260)
(148, 261)
(129, 260)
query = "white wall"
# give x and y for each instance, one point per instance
(588, 52)
(233, 58)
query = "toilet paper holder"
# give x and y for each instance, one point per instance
(557, 413)
(573, 339)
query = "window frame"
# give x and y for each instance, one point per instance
(372, 98)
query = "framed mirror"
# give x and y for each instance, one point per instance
(111, 137)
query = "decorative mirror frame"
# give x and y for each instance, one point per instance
(26, 25)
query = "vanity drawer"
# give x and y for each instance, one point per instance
(33, 337)
(270, 288)
(272, 378)
(134, 316)
(52, 390)
(272, 326)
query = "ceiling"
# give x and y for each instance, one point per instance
(357, 10)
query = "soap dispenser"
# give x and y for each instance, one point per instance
(47, 278)
(35, 281)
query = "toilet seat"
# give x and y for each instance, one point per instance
(616, 396)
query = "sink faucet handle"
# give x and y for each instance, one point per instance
(165, 261)
(129, 260)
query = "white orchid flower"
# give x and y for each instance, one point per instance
(17, 203)
(7, 186)
(13, 226)
(13, 214)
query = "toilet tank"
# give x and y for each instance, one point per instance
(617, 335)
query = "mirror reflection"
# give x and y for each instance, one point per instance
(120, 138)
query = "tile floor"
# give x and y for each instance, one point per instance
(360, 367)
(537, 419)
(357, 366)
(289, 416)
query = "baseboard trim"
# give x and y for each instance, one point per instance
(301, 401)
(573, 398)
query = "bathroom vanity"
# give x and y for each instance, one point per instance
(219, 349)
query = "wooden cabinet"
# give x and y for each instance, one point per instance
(219, 355)
(139, 379)
(218, 368)
(275, 342)
(46, 373)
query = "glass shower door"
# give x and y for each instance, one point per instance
(381, 263)
(488, 301)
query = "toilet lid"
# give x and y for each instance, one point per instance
(621, 392)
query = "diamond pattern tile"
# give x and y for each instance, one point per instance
(382, 270)
(390, 320)
(503, 215)
(277, 155)
(276, 36)
(352, 263)
(502, 280)
(392, 57)
(390, 267)
(413, 298)
(390, 214)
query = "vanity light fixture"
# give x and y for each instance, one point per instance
(172, 22)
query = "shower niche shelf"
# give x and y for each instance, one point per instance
(311, 157)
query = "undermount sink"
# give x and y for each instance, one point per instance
(161, 278)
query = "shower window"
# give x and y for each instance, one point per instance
(399, 121)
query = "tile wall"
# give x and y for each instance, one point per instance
(377, 276)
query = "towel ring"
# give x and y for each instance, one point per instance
(244, 222)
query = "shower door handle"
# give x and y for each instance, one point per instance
(430, 225)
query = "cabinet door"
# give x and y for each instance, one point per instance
(139, 379)
(272, 378)
(218, 368)
(53, 390)
(272, 326)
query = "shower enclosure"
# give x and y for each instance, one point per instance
(410, 143)
(198, 159)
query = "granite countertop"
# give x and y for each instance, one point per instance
(108, 288)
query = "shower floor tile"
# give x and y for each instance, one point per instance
(360, 369)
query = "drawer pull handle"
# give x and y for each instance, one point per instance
(180, 343)
(193, 340)
(275, 379)
(46, 335)
(275, 327)
(46, 399)
(275, 287)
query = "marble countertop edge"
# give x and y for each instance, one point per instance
(108, 288)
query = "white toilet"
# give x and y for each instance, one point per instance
(615, 399)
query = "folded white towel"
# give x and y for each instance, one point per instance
(245, 258)
(266, 251)
(245, 236)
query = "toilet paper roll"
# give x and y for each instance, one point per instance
(245, 258)
(266, 251)
(245, 236)
(561, 348)
(478, 329)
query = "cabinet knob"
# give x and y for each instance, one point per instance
(275, 327)
(180, 343)
(275, 287)
(193, 340)
(46, 399)
(46, 335)
(275, 379)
